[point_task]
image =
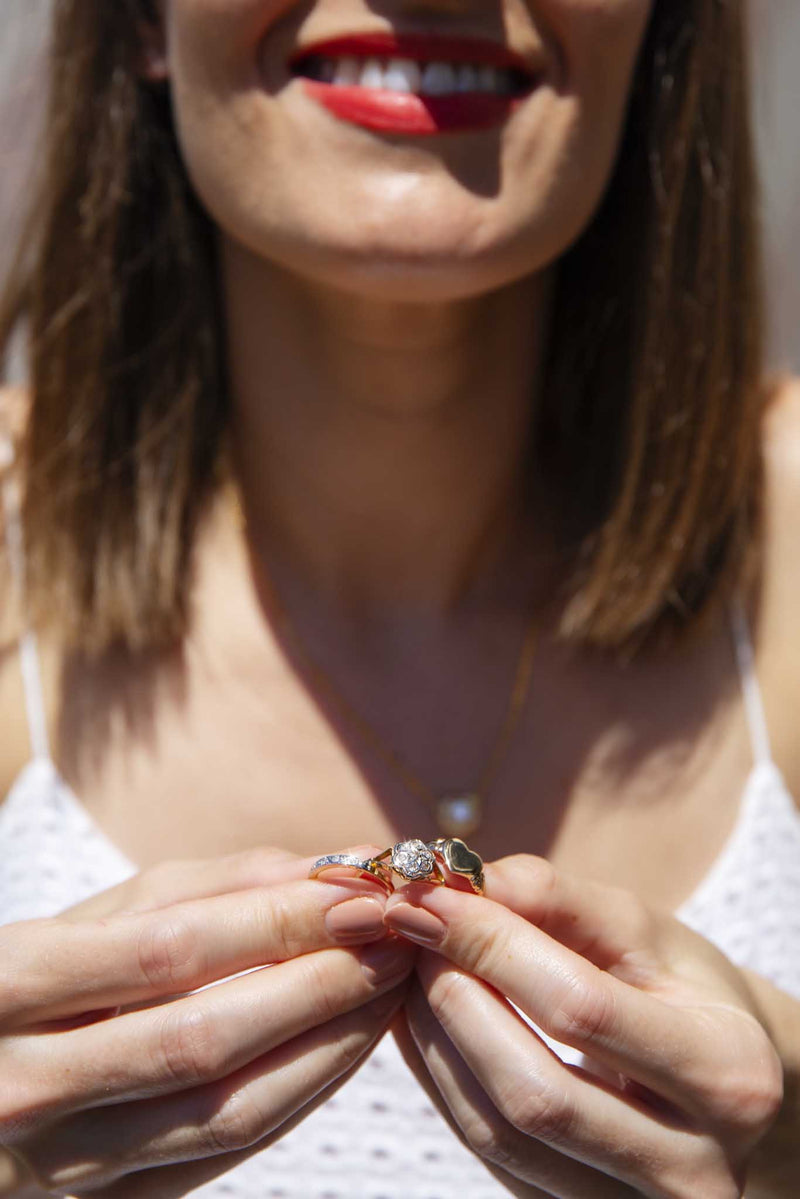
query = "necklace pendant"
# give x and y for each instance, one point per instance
(459, 815)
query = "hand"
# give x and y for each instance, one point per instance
(108, 1065)
(682, 1081)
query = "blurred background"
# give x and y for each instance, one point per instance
(775, 39)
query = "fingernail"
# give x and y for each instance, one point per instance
(385, 960)
(355, 920)
(415, 923)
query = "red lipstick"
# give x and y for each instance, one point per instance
(388, 111)
(398, 112)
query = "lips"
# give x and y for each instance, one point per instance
(477, 82)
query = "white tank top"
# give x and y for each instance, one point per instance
(379, 1137)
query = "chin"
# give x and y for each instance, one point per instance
(397, 270)
(405, 255)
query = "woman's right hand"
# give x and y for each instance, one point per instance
(110, 1068)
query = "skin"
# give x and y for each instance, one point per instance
(214, 1075)
(377, 291)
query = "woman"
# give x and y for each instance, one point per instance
(392, 467)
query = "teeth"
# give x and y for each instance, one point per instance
(347, 72)
(371, 74)
(402, 75)
(438, 79)
(405, 75)
(487, 79)
(467, 78)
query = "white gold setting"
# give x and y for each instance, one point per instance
(368, 866)
(337, 859)
(413, 860)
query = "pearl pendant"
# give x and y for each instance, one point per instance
(459, 815)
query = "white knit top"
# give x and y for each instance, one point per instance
(379, 1137)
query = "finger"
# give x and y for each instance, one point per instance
(54, 970)
(607, 925)
(212, 1128)
(674, 1051)
(519, 1162)
(195, 1040)
(562, 1106)
(613, 928)
(414, 1030)
(176, 881)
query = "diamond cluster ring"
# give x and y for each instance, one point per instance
(414, 861)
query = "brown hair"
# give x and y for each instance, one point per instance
(653, 388)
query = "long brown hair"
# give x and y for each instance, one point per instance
(653, 389)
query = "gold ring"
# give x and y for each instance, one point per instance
(460, 859)
(418, 861)
(370, 866)
(414, 861)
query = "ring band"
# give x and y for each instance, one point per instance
(460, 859)
(419, 861)
(370, 866)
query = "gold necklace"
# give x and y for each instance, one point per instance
(458, 814)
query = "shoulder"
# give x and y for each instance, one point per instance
(781, 441)
(14, 746)
(778, 621)
(782, 423)
(14, 405)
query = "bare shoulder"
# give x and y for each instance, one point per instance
(782, 424)
(14, 747)
(782, 465)
(779, 617)
(14, 406)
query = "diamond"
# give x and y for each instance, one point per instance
(412, 859)
(337, 859)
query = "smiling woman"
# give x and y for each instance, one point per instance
(668, 262)
(394, 455)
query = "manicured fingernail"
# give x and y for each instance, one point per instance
(385, 960)
(415, 923)
(355, 920)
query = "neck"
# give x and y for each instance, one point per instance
(382, 448)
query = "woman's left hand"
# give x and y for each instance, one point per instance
(682, 1081)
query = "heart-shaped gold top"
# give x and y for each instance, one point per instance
(459, 858)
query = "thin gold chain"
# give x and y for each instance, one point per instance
(322, 681)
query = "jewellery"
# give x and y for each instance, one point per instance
(460, 813)
(460, 859)
(416, 861)
(413, 861)
(456, 814)
(335, 861)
